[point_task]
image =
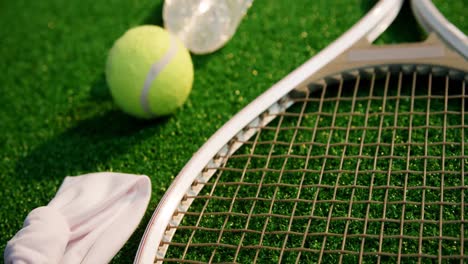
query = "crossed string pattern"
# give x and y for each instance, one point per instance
(370, 169)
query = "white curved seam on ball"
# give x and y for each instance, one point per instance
(154, 71)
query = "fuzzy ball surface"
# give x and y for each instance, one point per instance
(149, 72)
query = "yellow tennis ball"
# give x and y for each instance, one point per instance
(149, 72)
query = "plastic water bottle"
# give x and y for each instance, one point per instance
(204, 25)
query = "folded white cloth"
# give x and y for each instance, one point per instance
(88, 221)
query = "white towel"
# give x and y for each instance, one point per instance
(88, 221)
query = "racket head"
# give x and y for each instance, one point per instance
(212, 158)
(339, 173)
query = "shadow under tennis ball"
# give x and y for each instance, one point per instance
(92, 145)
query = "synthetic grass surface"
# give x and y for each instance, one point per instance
(57, 117)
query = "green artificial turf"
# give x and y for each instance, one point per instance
(57, 117)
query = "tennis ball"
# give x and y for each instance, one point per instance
(149, 72)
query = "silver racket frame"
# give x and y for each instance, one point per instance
(245, 124)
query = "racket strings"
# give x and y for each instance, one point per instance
(370, 169)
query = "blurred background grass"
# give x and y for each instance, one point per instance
(57, 117)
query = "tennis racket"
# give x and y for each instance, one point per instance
(359, 155)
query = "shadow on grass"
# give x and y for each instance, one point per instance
(155, 16)
(89, 146)
(403, 29)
